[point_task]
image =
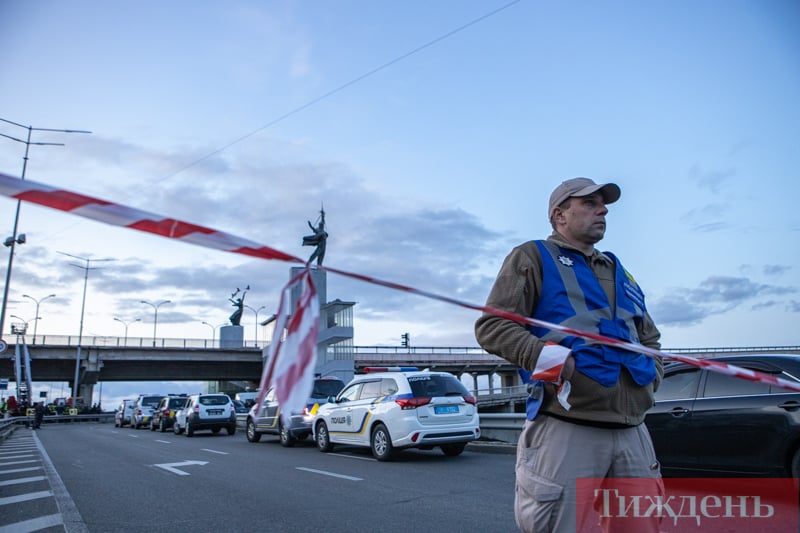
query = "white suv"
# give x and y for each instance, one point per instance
(143, 409)
(388, 410)
(213, 411)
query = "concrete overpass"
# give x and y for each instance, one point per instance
(53, 358)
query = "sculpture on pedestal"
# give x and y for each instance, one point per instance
(238, 303)
(317, 239)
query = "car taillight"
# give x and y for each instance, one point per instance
(471, 399)
(196, 409)
(412, 403)
(165, 412)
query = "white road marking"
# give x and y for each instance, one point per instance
(163, 441)
(170, 467)
(214, 451)
(353, 456)
(21, 480)
(26, 497)
(324, 473)
(34, 524)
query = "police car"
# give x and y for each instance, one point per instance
(299, 428)
(390, 408)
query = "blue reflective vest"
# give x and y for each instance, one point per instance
(572, 296)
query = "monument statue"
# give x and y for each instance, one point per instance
(238, 303)
(317, 239)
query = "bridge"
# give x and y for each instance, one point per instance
(54, 358)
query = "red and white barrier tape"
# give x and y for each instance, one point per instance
(118, 215)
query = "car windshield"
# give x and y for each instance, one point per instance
(428, 386)
(214, 400)
(327, 387)
(151, 401)
(177, 403)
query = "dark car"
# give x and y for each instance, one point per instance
(240, 407)
(708, 423)
(164, 414)
(300, 427)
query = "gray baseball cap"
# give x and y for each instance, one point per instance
(582, 187)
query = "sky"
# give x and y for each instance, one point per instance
(431, 132)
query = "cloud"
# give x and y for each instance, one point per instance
(713, 181)
(425, 244)
(715, 295)
(776, 270)
(707, 218)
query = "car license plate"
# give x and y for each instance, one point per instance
(215, 411)
(445, 409)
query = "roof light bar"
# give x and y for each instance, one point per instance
(369, 369)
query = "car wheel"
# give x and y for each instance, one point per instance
(796, 464)
(231, 430)
(215, 430)
(162, 426)
(287, 441)
(176, 428)
(252, 434)
(323, 438)
(453, 450)
(189, 429)
(381, 443)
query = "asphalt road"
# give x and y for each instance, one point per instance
(108, 479)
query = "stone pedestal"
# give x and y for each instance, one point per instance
(231, 337)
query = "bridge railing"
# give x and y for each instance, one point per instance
(388, 353)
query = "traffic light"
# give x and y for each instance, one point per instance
(404, 340)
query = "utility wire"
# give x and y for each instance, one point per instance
(341, 88)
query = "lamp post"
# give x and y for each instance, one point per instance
(36, 325)
(155, 318)
(126, 324)
(86, 268)
(256, 311)
(213, 331)
(26, 322)
(15, 239)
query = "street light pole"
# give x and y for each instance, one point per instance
(126, 324)
(155, 319)
(14, 239)
(25, 322)
(213, 332)
(36, 325)
(86, 268)
(256, 311)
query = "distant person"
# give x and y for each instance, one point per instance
(595, 429)
(39, 415)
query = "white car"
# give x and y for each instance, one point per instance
(388, 409)
(143, 409)
(122, 415)
(213, 411)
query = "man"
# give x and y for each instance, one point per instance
(592, 426)
(39, 415)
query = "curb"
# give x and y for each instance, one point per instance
(492, 446)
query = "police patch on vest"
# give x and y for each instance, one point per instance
(635, 294)
(566, 261)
